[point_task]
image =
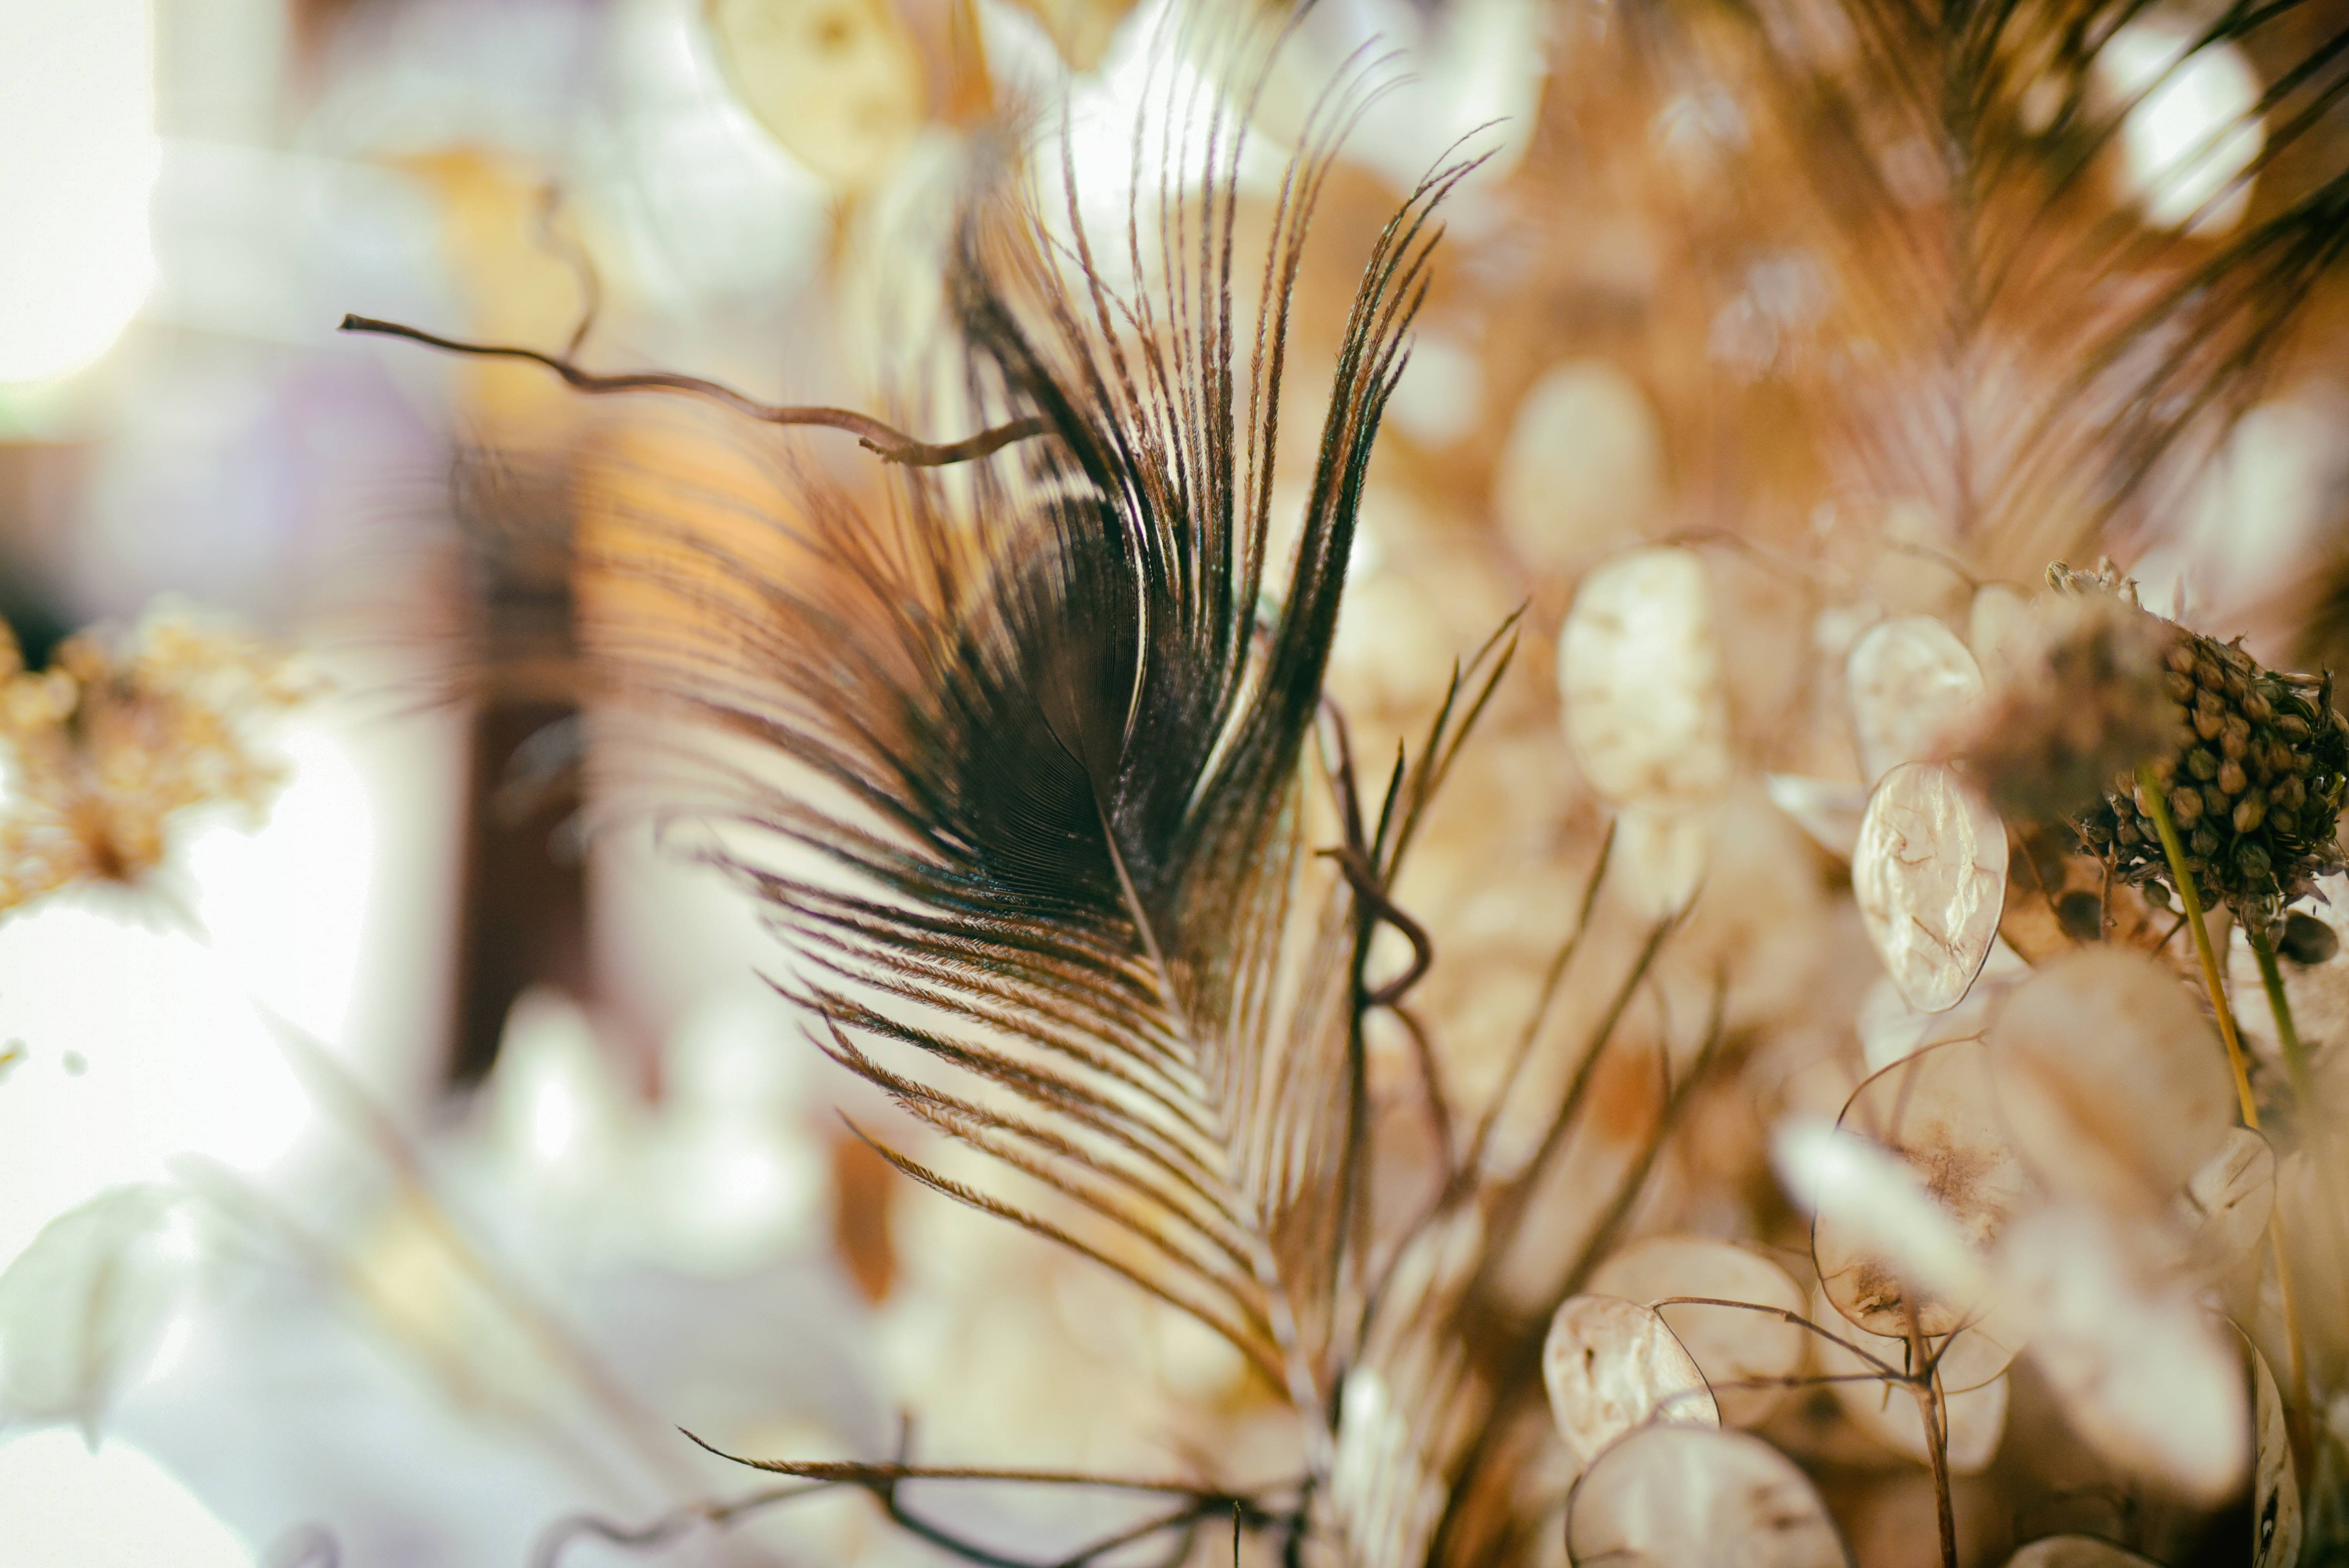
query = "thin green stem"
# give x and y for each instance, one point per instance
(2295, 1056)
(2157, 806)
(2295, 1064)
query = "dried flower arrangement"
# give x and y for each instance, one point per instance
(1037, 749)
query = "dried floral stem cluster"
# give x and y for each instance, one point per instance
(107, 746)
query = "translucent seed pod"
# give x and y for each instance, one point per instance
(1928, 873)
(2111, 1080)
(837, 82)
(2137, 1366)
(2276, 1526)
(2076, 1552)
(1658, 858)
(1639, 675)
(2226, 1204)
(1912, 684)
(1612, 1365)
(2191, 133)
(1669, 1497)
(1746, 1356)
(1878, 1230)
(1582, 474)
(1936, 1113)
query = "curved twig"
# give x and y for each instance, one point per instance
(1361, 871)
(892, 444)
(1884, 1369)
(1365, 884)
(881, 1482)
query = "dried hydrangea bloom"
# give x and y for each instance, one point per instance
(104, 748)
(2255, 762)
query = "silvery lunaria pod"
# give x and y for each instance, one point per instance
(1638, 671)
(1728, 1306)
(1910, 682)
(1674, 1495)
(1928, 873)
(2110, 1081)
(1612, 1365)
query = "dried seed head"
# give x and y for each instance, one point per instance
(2255, 762)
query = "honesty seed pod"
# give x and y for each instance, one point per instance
(1928, 873)
(2136, 1364)
(1639, 675)
(1911, 683)
(2076, 1552)
(1935, 1113)
(1610, 1365)
(837, 82)
(1879, 1238)
(1672, 1497)
(2110, 1080)
(1746, 1356)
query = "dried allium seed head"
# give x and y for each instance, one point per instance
(2255, 769)
(2089, 696)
